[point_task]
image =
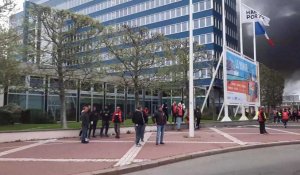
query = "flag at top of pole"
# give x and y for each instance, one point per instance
(249, 15)
(260, 30)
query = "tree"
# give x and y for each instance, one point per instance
(69, 46)
(271, 86)
(178, 54)
(137, 52)
(6, 6)
(10, 71)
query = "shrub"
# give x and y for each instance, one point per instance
(10, 114)
(35, 116)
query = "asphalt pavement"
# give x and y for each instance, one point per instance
(280, 160)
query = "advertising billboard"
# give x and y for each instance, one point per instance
(242, 80)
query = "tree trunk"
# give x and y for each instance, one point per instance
(5, 95)
(62, 95)
(136, 97)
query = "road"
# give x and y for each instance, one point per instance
(265, 161)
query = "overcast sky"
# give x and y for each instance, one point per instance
(284, 29)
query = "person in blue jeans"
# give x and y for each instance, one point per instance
(85, 124)
(160, 119)
(139, 121)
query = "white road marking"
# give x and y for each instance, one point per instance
(132, 152)
(64, 160)
(288, 132)
(26, 147)
(235, 140)
(193, 142)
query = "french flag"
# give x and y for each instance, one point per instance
(260, 30)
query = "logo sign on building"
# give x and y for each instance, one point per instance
(249, 15)
(242, 80)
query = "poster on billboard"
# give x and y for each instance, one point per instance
(242, 80)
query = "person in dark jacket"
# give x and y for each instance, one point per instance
(262, 119)
(94, 117)
(106, 117)
(197, 114)
(139, 121)
(160, 119)
(117, 119)
(145, 115)
(85, 125)
(166, 110)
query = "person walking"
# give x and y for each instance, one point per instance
(117, 120)
(285, 117)
(262, 119)
(85, 125)
(174, 112)
(197, 114)
(139, 121)
(179, 116)
(160, 119)
(294, 115)
(145, 115)
(106, 117)
(94, 117)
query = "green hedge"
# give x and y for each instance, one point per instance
(35, 116)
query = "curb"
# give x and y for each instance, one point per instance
(179, 158)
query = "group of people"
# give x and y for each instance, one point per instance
(284, 115)
(140, 117)
(179, 112)
(279, 115)
(90, 119)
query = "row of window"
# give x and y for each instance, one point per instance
(134, 9)
(101, 6)
(166, 15)
(231, 17)
(67, 4)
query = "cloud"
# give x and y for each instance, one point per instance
(292, 84)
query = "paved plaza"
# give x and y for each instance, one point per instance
(68, 156)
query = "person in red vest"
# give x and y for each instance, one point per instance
(117, 120)
(179, 116)
(261, 120)
(174, 112)
(285, 117)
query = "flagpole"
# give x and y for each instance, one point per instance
(226, 116)
(254, 54)
(242, 54)
(191, 72)
(241, 30)
(254, 42)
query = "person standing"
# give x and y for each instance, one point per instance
(262, 119)
(298, 116)
(295, 115)
(85, 125)
(285, 117)
(165, 109)
(160, 119)
(197, 114)
(174, 112)
(94, 117)
(106, 116)
(145, 115)
(139, 121)
(117, 120)
(179, 116)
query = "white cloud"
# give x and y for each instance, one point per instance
(292, 84)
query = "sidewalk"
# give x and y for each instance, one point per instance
(117, 156)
